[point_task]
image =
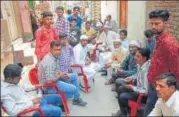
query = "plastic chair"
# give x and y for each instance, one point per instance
(95, 52)
(34, 81)
(134, 105)
(79, 69)
(27, 110)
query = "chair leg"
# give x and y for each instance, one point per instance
(86, 84)
(64, 101)
(133, 110)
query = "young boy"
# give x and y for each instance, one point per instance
(15, 99)
(75, 34)
(44, 35)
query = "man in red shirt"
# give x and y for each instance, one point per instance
(165, 56)
(44, 35)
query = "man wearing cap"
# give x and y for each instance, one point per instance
(118, 56)
(81, 57)
(108, 48)
(128, 66)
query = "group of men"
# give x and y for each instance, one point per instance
(154, 69)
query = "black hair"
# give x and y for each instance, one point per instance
(88, 22)
(55, 43)
(47, 14)
(69, 11)
(148, 33)
(144, 52)
(12, 71)
(124, 32)
(164, 14)
(59, 8)
(76, 7)
(74, 20)
(171, 79)
(20, 65)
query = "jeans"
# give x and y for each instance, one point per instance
(47, 108)
(70, 87)
(126, 94)
(151, 100)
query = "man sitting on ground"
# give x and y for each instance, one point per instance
(130, 92)
(15, 99)
(49, 71)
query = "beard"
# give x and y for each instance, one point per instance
(157, 32)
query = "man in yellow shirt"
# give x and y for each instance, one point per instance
(88, 31)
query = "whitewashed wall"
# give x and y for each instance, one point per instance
(136, 20)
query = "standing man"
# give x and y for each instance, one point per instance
(44, 35)
(75, 15)
(111, 23)
(123, 37)
(62, 25)
(165, 57)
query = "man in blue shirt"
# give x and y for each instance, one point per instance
(76, 16)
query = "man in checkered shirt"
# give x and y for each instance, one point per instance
(49, 71)
(62, 25)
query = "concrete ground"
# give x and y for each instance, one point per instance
(101, 100)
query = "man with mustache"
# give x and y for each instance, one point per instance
(165, 57)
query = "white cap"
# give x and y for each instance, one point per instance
(106, 26)
(98, 24)
(135, 43)
(117, 40)
(83, 37)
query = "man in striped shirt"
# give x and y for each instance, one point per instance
(130, 92)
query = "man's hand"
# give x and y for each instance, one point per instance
(38, 86)
(129, 86)
(36, 100)
(63, 75)
(128, 79)
(88, 61)
(120, 70)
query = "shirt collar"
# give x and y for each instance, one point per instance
(45, 29)
(53, 57)
(170, 101)
(161, 36)
(145, 64)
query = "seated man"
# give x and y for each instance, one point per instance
(81, 57)
(118, 55)
(15, 99)
(166, 88)
(108, 48)
(131, 92)
(49, 71)
(128, 66)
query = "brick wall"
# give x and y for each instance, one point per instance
(172, 7)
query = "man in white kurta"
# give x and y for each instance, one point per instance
(110, 36)
(82, 58)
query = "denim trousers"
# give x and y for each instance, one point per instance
(50, 105)
(69, 86)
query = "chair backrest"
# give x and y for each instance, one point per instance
(33, 77)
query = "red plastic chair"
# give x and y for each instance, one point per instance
(134, 105)
(28, 110)
(81, 73)
(95, 52)
(34, 81)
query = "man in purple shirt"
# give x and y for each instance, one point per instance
(62, 25)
